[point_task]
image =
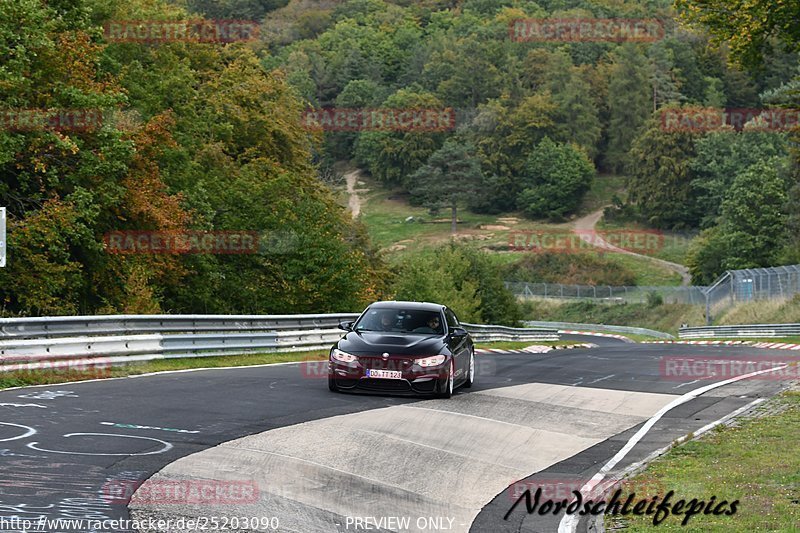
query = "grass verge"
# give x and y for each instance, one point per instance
(762, 312)
(755, 462)
(25, 378)
(666, 317)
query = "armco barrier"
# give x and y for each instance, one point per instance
(130, 338)
(600, 327)
(746, 331)
(481, 333)
(71, 326)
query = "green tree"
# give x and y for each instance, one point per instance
(663, 77)
(750, 27)
(659, 179)
(393, 156)
(468, 71)
(357, 94)
(752, 225)
(720, 157)
(629, 103)
(576, 119)
(555, 179)
(504, 134)
(237, 9)
(451, 176)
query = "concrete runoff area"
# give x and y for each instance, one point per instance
(434, 463)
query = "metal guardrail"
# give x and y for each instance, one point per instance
(70, 326)
(600, 327)
(481, 333)
(740, 331)
(61, 341)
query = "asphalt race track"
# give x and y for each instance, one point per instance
(315, 461)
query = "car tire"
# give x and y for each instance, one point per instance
(471, 371)
(447, 385)
(332, 384)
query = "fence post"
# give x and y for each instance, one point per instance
(769, 286)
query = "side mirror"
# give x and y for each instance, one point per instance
(347, 326)
(458, 332)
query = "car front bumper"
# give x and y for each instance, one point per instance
(414, 380)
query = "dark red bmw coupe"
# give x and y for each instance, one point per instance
(403, 348)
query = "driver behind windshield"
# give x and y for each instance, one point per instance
(387, 322)
(434, 326)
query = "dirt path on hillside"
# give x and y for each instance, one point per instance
(353, 201)
(584, 227)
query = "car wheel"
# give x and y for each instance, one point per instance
(332, 384)
(471, 371)
(447, 386)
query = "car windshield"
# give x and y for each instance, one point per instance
(401, 321)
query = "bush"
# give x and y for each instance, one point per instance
(575, 269)
(460, 277)
(555, 179)
(654, 299)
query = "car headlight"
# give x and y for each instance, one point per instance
(344, 357)
(431, 361)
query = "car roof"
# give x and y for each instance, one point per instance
(418, 306)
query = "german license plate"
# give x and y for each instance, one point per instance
(384, 374)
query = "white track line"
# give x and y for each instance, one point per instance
(569, 523)
(158, 373)
(639, 465)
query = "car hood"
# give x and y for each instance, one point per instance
(369, 342)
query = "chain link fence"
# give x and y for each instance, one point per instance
(606, 293)
(751, 284)
(733, 287)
